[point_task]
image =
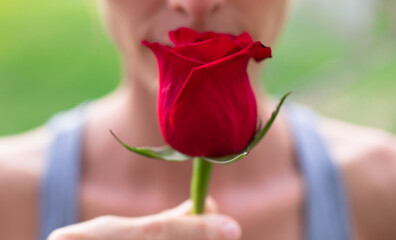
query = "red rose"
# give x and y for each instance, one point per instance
(206, 105)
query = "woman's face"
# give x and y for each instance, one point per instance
(131, 21)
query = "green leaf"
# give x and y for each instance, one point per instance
(261, 132)
(228, 159)
(162, 153)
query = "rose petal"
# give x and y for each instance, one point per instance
(244, 40)
(261, 53)
(160, 50)
(256, 50)
(184, 36)
(215, 112)
(217, 92)
(171, 78)
(209, 50)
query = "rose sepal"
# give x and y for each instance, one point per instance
(261, 132)
(162, 153)
(228, 159)
(169, 154)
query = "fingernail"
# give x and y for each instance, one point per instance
(231, 230)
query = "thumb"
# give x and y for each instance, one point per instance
(178, 223)
(185, 208)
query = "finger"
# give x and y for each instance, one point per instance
(208, 227)
(100, 228)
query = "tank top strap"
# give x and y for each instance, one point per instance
(326, 209)
(59, 187)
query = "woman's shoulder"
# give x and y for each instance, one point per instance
(352, 144)
(367, 159)
(22, 160)
(24, 153)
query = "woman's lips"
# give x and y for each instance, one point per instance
(164, 38)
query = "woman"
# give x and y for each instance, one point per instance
(310, 178)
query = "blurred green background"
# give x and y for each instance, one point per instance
(337, 56)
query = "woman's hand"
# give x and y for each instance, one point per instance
(172, 224)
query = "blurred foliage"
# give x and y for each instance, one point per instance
(344, 72)
(54, 55)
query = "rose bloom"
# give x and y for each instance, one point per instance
(206, 105)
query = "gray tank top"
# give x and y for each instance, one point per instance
(326, 210)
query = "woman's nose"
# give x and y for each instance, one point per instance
(196, 9)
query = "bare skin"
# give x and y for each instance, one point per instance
(273, 200)
(267, 183)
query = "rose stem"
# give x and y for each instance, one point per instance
(200, 184)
